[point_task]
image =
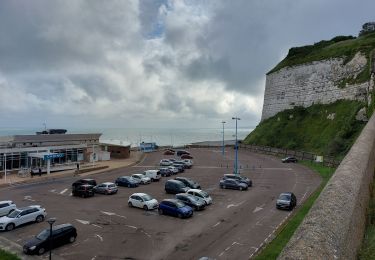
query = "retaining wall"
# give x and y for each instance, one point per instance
(335, 225)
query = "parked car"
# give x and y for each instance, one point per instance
(165, 162)
(181, 163)
(189, 182)
(181, 152)
(33, 213)
(174, 187)
(239, 178)
(188, 162)
(192, 201)
(186, 156)
(289, 159)
(154, 175)
(106, 188)
(201, 194)
(126, 181)
(173, 169)
(83, 181)
(286, 200)
(61, 235)
(83, 190)
(142, 178)
(143, 201)
(180, 167)
(165, 172)
(232, 184)
(168, 152)
(175, 208)
(6, 207)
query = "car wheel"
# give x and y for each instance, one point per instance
(72, 239)
(241, 188)
(9, 227)
(160, 211)
(145, 207)
(179, 215)
(41, 251)
(106, 192)
(224, 187)
(130, 204)
(39, 218)
(128, 185)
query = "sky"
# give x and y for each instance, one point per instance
(153, 63)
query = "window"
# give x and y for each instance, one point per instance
(3, 205)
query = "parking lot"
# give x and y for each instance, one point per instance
(235, 226)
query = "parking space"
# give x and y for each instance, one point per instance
(233, 227)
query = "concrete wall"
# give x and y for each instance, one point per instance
(311, 83)
(335, 225)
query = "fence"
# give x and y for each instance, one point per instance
(300, 155)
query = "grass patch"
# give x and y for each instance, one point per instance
(8, 256)
(339, 47)
(368, 245)
(273, 249)
(309, 129)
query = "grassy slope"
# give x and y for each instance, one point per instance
(7, 256)
(310, 130)
(273, 249)
(337, 47)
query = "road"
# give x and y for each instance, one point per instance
(234, 227)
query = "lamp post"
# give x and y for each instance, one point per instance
(50, 222)
(236, 148)
(223, 122)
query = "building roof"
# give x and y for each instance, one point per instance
(113, 142)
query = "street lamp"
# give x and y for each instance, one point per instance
(223, 122)
(236, 148)
(50, 222)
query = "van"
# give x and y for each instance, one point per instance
(83, 190)
(175, 186)
(83, 181)
(154, 175)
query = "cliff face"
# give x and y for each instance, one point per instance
(317, 82)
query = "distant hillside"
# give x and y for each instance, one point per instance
(324, 129)
(340, 46)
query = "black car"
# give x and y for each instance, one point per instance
(126, 181)
(289, 159)
(181, 152)
(189, 182)
(83, 181)
(286, 200)
(174, 187)
(191, 200)
(165, 172)
(83, 190)
(61, 234)
(239, 178)
(232, 184)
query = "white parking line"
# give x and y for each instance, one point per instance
(235, 205)
(63, 191)
(84, 222)
(100, 237)
(28, 198)
(218, 223)
(96, 225)
(130, 226)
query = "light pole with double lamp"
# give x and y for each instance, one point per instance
(223, 122)
(236, 148)
(50, 222)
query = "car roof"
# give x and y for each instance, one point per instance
(139, 194)
(175, 181)
(286, 193)
(62, 226)
(170, 200)
(6, 201)
(85, 185)
(107, 183)
(87, 179)
(196, 190)
(29, 207)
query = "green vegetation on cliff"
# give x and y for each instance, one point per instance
(310, 129)
(341, 46)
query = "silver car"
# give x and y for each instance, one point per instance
(142, 178)
(106, 188)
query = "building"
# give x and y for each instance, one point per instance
(367, 28)
(116, 149)
(47, 152)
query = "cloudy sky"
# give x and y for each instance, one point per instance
(153, 63)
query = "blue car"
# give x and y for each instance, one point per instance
(175, 208)
(232, 184)
(126, 181)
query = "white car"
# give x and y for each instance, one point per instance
(34, 213)
(143, 201)
(6, 207)
(201, 194)
(142, 178)
(188, 162)
(165, 162)
(173, 169)
(154, 175)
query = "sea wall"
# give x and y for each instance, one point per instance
(311, 83)
(335, 225)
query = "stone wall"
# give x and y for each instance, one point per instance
(312, 83)
(335, 225)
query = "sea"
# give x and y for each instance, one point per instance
(161, 136)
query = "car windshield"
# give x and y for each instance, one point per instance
(136, 176)
(111, 186)
(180, 204)
(284, 197)
(146, 197)
(14, 214)
(205, 194)
(43, 235)
(193, 198)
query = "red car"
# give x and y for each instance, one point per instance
(168, 152)
(186, 156)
